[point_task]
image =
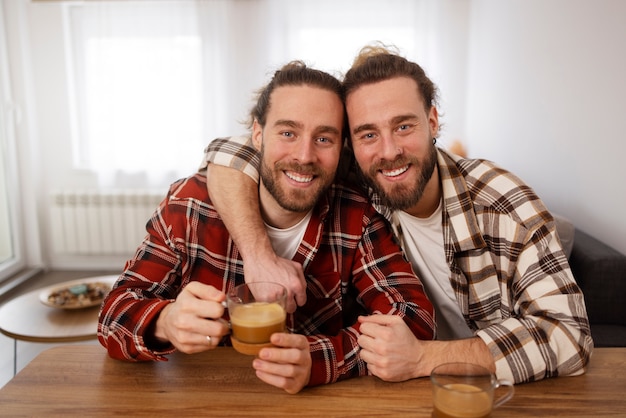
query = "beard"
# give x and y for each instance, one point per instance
(401, 196)
(294, 200)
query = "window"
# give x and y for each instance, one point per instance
(7, 237)
(152, 82)
(129, 106)
(330, 33)
(138, 86)
(12, 258)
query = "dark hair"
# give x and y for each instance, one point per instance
(294, 73)
(378, 63)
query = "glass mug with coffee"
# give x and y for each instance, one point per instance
(464, 390)
(257, 310)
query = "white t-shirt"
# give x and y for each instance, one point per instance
(286, 241)
(423, 246)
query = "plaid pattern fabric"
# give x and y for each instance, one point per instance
(237, 152)
(510, 274)
(511, 278)
(348, 248)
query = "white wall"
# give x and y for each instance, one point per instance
(546, 101)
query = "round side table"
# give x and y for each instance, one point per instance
(26, 318)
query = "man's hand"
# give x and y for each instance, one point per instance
(271, 268)
(394, 354)
(287, 365)
(389, 348)
(192, 318)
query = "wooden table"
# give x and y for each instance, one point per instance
(83, 380)
(26, 318)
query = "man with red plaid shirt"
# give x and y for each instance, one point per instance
(170, 295)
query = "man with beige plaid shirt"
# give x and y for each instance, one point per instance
(482, 242)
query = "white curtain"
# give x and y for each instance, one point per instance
(138, 86)
(154, 81)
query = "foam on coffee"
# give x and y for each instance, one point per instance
(256, 322)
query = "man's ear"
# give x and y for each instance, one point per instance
(433, 121)
(257, 134)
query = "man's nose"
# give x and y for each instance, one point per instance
(390, 147)
(304, 151)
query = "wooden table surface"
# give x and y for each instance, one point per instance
(27, 318)
(83, 380)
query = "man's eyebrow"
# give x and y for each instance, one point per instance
(327, 129)
(364, 127)
(293, 124)
(394, 121)
(404, 118)
(288, 122)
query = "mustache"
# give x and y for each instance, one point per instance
(304, 169)
(390, 165)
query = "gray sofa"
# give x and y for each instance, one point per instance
(601, 273)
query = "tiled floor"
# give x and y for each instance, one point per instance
(26, 351)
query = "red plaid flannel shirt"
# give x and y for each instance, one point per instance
(347, 247)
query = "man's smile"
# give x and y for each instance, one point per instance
(300, 178)
(395, 172)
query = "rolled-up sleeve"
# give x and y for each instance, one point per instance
(236, 152)
(549, 334)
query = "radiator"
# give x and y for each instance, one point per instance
(100, 223)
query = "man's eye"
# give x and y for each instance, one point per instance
(287, 134)
(404, 127)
